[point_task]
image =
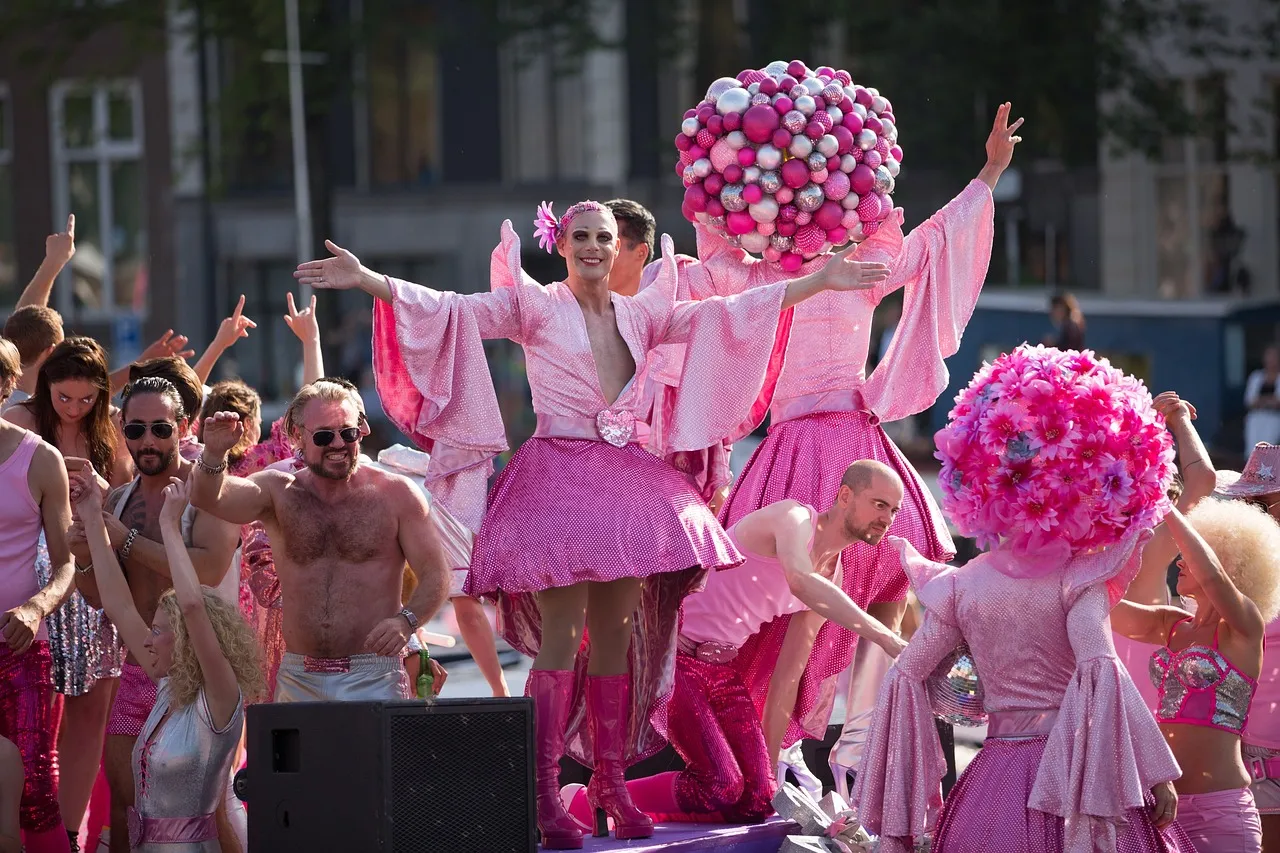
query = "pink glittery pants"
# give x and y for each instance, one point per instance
(27, 719)
(712, 724)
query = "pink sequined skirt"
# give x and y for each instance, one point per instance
(804, 459)
(987, 810)
(565, 511)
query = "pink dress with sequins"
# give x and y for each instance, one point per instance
(1071, 752)
(826, 413)
(582, 500)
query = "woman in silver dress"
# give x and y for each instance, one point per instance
(206, 663)
(71, 409)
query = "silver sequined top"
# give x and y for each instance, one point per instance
(180, 765)
(1200, 687)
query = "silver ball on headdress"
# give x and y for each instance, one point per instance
(833, 93)
(731, 198)
(768, 157)
(794, 121)
(805, 104)
(753, 89)
(816, 161)
(736, 139)
(878, 104)
(770, 181)
(781, 243)
(848, 163)
(859, 110)
(893, 166)
(776, 68)
(690, 126)
(813, 85)
(690, 177)
(809, 198)
(760, 99)
(883, 180)
(797, 91)
(828, 145)
(887, 127)
(751, 174)
(837, 115)
(716, 223)
(765, 210)
(720, 86)
(867, 139)
(754, 242)
(701, 168)
(850, 202)
(801, 146)
(733, 101)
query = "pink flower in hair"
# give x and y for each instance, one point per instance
(547, 227)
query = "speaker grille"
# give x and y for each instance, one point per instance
(461, 782)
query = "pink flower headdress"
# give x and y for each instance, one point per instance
(548, 228)
(1053, 450)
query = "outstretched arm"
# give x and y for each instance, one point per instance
(343, 271)
(239, 500)
(818, 593)
(1231, 604)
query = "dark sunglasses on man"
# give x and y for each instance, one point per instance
(160, 429)
(324, 437)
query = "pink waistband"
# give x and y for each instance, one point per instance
(170, 830)
(708, 652)
(1013, 725)
(843, 400)
(618, 430)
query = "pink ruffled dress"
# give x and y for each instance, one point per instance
(582, 500)
(1071, 752)
(826, 414)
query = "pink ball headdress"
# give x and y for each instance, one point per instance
(1049, 448)
(549, 229)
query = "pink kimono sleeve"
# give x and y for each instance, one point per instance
(898, 791)
(943, 265)
(1106, 750)
(434, 382)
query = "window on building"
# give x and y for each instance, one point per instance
(1198, 243)
(98, 176)
(8, 249)
(404, 100)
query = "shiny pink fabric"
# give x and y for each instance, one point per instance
(1135, 656)
(1040, 643)
(1263, 728)
(713, 726)
(170, 830)
(1221, 821)
(803, 459)
(27, 718)
(133, 703)
(987, 810)
(554, 519)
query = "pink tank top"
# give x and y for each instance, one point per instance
(20, 525)
(738, 602)
(1263, 728)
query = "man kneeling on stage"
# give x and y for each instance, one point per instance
(341, 533)
(792, 567)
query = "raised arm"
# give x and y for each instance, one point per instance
(48, 479)
(818, 592)
(213, 543)
(306, 326)
(238, 500)
(420, 545)
(221, 689)
(58, 249)
(1198, 477)
(112, 589)
(1241, 614)
(1145, 623)
(230, 330)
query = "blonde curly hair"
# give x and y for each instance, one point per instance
(1247, 542)
(235, 638)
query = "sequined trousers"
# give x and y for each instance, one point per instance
(712, 724)
(27, 719)
(82, 640)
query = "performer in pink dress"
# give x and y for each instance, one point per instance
(792, 567)
(582, 513)
(824, 399)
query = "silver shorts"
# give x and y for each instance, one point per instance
(359, 678)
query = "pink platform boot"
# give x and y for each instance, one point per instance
(609, 705)
(550, 691)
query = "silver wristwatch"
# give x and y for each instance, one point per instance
(410, 618)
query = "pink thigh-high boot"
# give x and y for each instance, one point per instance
(609, 706)
(551, 691)
(27, 717)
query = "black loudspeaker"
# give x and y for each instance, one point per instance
(392, 777)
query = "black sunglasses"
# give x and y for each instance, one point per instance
(160, 429)
(324, 437)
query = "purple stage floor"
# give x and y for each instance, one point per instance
(687, 837)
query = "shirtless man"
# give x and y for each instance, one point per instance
(155, 422)
(341, 533)
(793, 567)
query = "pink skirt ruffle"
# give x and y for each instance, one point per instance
(565, 511)
(987, 810)
(804, 459)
